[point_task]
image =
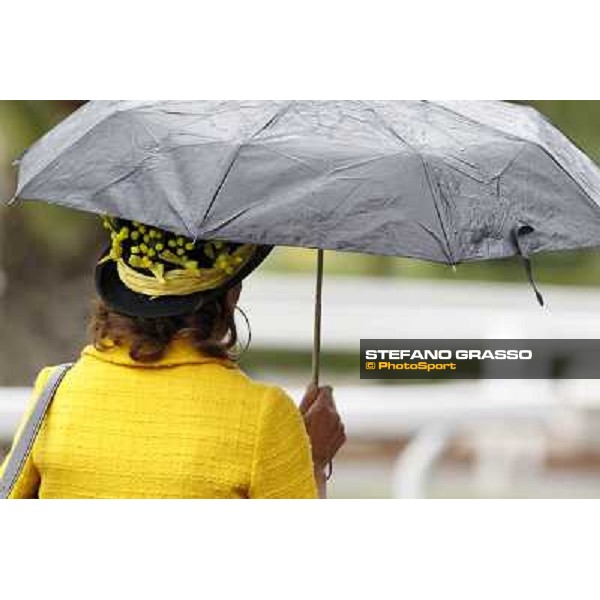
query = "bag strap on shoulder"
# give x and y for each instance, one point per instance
(22, 448)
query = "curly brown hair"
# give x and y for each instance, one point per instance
(211, 330)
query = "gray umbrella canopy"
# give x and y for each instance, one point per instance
(442, 181)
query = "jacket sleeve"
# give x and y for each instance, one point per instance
(29, 479)
(282, 466)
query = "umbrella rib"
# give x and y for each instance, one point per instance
(390, 129)
(566, 172)
(475, 121)
(522, 140)
(178, 210)
(228, 221)
(272, 119)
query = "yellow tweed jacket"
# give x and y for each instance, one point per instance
(187, 426)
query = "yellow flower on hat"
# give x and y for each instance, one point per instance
(164, 255)
(225, 262)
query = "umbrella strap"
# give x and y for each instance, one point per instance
(516, 233)
(24, 443)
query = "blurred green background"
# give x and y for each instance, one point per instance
(41, 245)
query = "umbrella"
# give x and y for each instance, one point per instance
(449, 182)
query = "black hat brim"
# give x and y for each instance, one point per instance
(117, 296)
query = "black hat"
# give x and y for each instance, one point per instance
(126, 256)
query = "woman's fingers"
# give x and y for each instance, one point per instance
(324, 399)
(323, 424)
(311, 394)
(334, 446)
(337, 442)
(324, 409)
(325, 394)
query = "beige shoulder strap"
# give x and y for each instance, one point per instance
(22, 448)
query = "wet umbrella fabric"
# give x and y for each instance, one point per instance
(442, 181)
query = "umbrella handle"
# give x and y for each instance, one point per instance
(316, 354)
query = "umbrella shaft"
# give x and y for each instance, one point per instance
(317, 324)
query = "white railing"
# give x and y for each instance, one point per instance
(429, 415)
(280, 310)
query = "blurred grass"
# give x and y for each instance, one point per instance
(562, 268)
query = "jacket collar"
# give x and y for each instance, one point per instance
(178, 352)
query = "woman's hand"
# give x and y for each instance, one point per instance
(323, 424)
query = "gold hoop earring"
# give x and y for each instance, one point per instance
(239, 355)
